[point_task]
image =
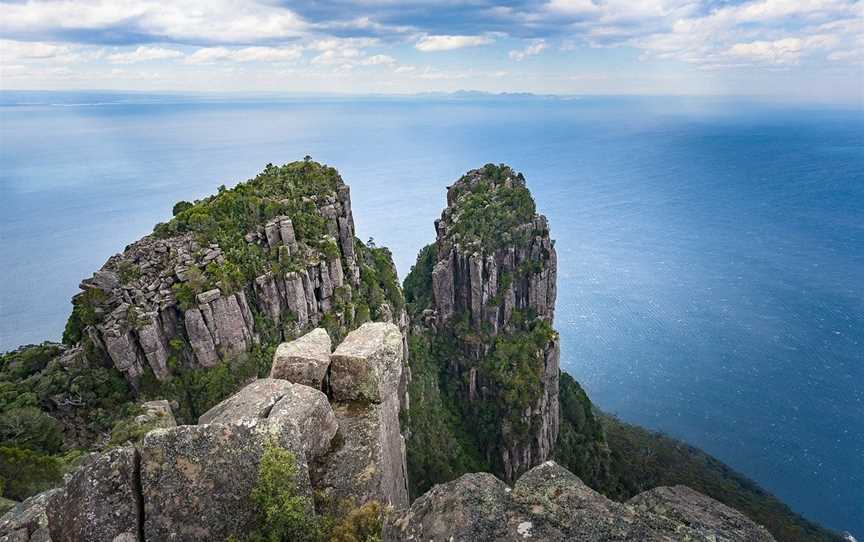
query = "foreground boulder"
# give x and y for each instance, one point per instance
(197, 481)
(101, 500)
(27, 521)
(700, 513)
(549, 503)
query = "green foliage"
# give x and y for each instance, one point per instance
(30, 428)
(515, 365)
(284, 515)
(417, 285)
(488, 211)
(179, 207)
(128, 271)
(132, 428)
(441, 447)
(25, 472)
(85, 312)
(581, 445)
(362, 524)
(642, 460)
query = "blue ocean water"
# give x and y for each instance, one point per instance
(711, 252)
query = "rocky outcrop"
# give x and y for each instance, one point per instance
(99, 501)
(162, 298)
(305, 360)
(368, 461)
(495, 268)
(551, 504)
(702, 514)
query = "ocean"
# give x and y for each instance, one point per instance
(711, 251)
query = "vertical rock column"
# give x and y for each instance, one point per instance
(368, 463)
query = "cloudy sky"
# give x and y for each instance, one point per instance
(810, 49)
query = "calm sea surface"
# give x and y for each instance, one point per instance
(711, 252)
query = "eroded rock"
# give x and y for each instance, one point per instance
(197, 480)
(368, 364)
(251, 403)
(304, 360)
(100, 501)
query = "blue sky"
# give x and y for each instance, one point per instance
(797, 49)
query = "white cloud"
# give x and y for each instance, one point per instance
(18, 50)
(220, 21)
(378, 60)
(209, 55)
(764, 32)
(142, 54)
(429, 44)
(785, 51)
(534, 48)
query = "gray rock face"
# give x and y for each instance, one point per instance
(549, 503)
(197, 480)
(310, 410)
(368, 364)
(367, 461)
(100, 501)
(703, 514)
(27, 521)
(487, 284)
(251, 403)
(304, 360)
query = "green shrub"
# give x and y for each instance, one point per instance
(284, 515)
(26, 472)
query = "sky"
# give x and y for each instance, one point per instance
(784, 49)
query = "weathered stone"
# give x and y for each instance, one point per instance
(709, 518)
(367, 461)
(100, 501)
(209, 296)
(487, 282)
(310, 410)
(28, 521)
(551, 504)
(200, 338)
(368, 364)
(295, 297)
(304, 360)
(154, 344)
(251, 403)
(197, 480)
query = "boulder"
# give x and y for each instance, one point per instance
(368, 364)
(100, 501)
(251, 403)
(27, 521)
(197, 480)
(703, 514)
(310, 410)
(304, 360)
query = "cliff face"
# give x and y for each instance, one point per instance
(255, 264)
(492, 279)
